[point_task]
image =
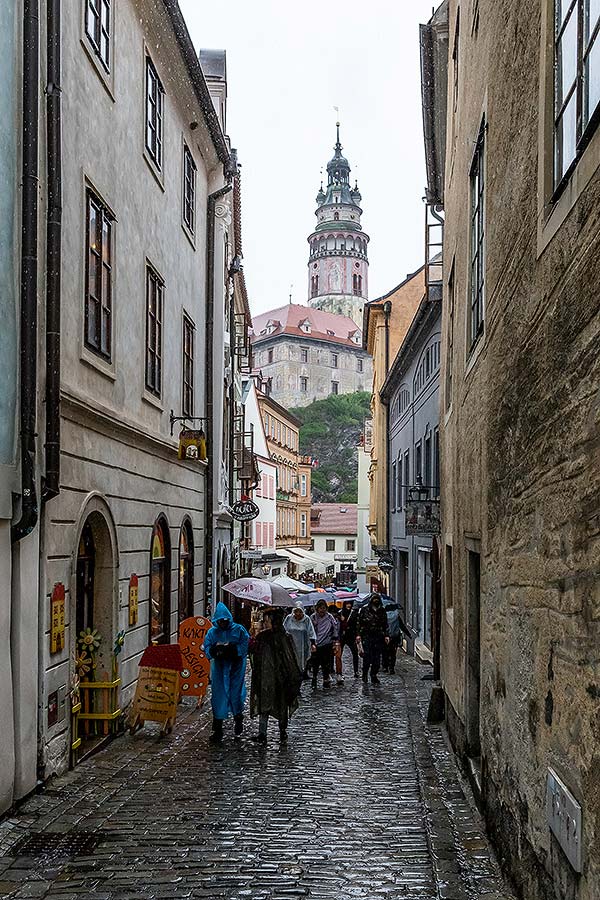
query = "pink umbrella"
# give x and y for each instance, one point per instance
(257, 590)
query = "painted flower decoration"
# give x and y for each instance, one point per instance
(119, 641)
(89, 640)
(83, 664)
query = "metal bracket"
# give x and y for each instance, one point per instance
(173, 418)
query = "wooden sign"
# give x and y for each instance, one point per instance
(157, 689)
(195, 670)
(57, 618)
(133, 600)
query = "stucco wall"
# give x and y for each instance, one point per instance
(521, 445)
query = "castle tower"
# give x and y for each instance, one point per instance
(338, 263)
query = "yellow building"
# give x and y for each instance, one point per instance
(385, 323)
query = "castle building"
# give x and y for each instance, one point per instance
(338, 264)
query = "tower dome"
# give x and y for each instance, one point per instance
(338, 262)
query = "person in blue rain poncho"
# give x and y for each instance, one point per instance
(226, 645)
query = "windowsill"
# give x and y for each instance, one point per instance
(106, 78)
(189, 234)
(153, 400)
(475, 353)
(98, 363)
(450, 616)
(157, 173)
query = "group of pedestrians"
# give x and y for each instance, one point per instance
(288, 650)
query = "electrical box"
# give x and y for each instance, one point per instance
(564, 819)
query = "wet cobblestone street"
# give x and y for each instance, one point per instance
(364, 803)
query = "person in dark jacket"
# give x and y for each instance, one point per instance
(276, 676)
(348, 632)
(327, 634)
(372, 633)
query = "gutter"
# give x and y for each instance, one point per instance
(53, 251)
(209, 374)
(29, 272)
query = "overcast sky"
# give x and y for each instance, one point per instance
(288, 65)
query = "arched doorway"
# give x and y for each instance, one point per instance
(95, 569)
(160, 583)
(186, 571)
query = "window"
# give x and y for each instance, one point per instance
(330, 545)
(428, 476)
(334, 360)
(393, 486)
(303, 384)
(98, 292)
(477, 259)
(314, 285)
(154, 315)
(312, 543)
(448, 596)
(418, 462)
(97, 28)
(398, 485)
(186, 571)
(302, 525)
(350, 546)
(406, 475)
(335, 388)
(357, 285)
(189, 189)
(303, 485)
(271, 535)
(154, 113)
(360, 365)
(450, 339)
(436, 463)
(269, 356)
(188, 367)
(267, 424)
(577, 79)
(278, 432)
(303, 355)
(336, 215)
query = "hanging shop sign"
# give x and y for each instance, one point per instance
(385, 563)
(245, 510)
(192, 444)
(157, 689)
(422, 517)
(57, 618)
(195, 671)
(133, 600)
(252, 554)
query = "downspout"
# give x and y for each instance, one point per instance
(53, 253)
(208, 380)
(29, 272)
(387, 311)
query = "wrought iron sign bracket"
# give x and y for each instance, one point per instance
(173, 418)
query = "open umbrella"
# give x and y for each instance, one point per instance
(257, 590)
(290, 584)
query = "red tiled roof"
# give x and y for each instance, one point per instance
(325, 326)
(332, 520)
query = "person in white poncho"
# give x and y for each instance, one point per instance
(300, 629)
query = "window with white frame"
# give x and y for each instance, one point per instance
(303, 486)
(302, 525)
(577, 80)
(97, 29)
(155, 95)
(189, 189)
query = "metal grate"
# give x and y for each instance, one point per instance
(63, 846)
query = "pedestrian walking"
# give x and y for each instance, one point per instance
(390, 650)
(302, 632)
(276, 676)
(337, 647)
(226, 645)
(372, 633)
(327, 634)
(348, 624)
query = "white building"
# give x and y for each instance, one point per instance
(263, 533)
(146, 245)
(334, 534)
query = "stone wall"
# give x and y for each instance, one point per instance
(521, 454)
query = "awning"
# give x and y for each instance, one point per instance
(306, 560)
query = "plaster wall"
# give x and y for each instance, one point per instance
(350, 556)
(520, 449)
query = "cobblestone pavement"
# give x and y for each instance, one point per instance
(365, 802)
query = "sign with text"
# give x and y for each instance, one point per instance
(195, 670)
(133, 600)
(245, 510)
(57, 618)
(156, 694)
(252, 554)
(422, 517)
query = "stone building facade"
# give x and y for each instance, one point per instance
(307, 354)
(520, 429)
(338, 264)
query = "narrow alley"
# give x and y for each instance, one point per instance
(364, 802)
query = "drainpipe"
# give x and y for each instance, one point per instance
(209, 374)
(53, 253)
(29, 272)
(387, 311)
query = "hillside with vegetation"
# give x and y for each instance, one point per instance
(330, 432)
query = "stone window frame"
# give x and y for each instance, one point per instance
(555, 205)
(304, 384)
(188, 192)
(154, 99)
(103, 359)
(329, 545)
(154, 344)
(92, 50)
(100, 34)
(188, 347)
(476, 244)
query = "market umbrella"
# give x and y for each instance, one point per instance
(257, 590)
